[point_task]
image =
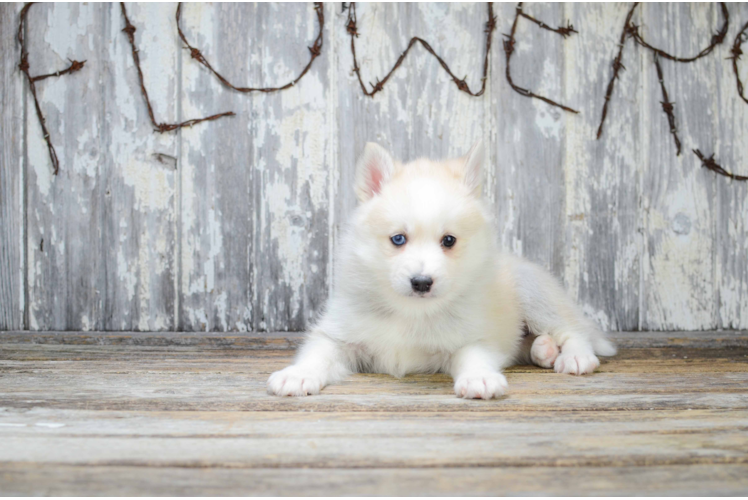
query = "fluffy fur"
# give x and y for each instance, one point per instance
(473, 320)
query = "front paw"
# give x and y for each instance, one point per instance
(483, 385)
(294, 381)
(575, 363)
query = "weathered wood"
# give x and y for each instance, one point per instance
(66, 213)
(527, 137)
(601, 237)
(54, 480)
(730, 120)
(241, 236)
(217, 194)
(363, 443)
(137, 185)
(289, 340)
(165, 413)
(674, 373)
(294, 165)
(12, 175)
(678, 269)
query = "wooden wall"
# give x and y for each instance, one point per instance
(232, 224)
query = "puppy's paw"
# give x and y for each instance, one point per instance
(544, 351)
(294, 381)
(575, 363)
(480, 385)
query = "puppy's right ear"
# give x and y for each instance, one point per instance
(373, 169)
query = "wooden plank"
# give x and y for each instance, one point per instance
(289, 340)
(42, 422)
(678, 195)
(192, 378)
(12, 248)
(60, 480)
(137, 185)
(373, 440)
(365, 444)
(528, 136)
(66, 282)
(217, 193)
(293, 165)
(253, 440)
(601, 238)
(730, 120)
(420, 112)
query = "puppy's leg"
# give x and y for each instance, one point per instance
(475, 370)
(541, 350)
(551, 314)
(320, 361)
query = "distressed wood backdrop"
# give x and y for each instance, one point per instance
(232, 224)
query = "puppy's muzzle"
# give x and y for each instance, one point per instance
(421, 284)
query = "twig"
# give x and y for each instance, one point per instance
(129, 30)
(315, 50)
(509, 50)
(352, 28)
(24, 67)
(667, 106)
(712, 165)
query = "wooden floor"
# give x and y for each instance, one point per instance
(187, 414)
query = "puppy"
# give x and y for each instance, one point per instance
(422, 287)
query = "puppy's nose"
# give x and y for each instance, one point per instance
(421, 284)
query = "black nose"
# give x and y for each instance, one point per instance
(421, 284)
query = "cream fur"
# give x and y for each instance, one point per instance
(471, 322)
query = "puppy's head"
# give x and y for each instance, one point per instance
(421, 230)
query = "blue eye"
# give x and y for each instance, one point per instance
(449, 241)
(399, 240)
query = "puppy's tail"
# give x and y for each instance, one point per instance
(603, 345)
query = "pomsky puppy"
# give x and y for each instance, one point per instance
(422, 287)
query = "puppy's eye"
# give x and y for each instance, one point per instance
(399, 240)
(449, 241)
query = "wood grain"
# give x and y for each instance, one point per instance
(52, 480)
(233, 225)
(183, 413)
(12, 176)
(529, 180)
(138, 181)
(602, 238)
(66, 278)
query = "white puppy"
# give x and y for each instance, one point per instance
(422, 287)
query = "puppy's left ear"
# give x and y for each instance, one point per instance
(473, 168)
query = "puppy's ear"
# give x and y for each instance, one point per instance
(373, 169)
(473, 168)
